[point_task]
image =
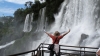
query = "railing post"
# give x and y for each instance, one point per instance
(84, 51)
(32, 54)
(42, 50)
(80, 51)
(59, 50)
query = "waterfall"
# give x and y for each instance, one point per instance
(41, 21)
(82, 18)
(28, 23)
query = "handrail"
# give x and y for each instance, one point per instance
(26, 52)
(81, 50)
(22, 53)
(74, 46)
(42, 46)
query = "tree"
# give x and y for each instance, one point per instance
(28, 4)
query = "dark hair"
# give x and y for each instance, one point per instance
(56, 33)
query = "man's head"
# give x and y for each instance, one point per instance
(56, 33)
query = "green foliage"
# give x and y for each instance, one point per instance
(20, 14)
(51, 8)
(1, 25)
(5, 23)
(35, 9)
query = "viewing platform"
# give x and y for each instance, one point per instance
(66, 50)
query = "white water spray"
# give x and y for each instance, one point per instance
(41, 20)
(28, 23)
(10, 43)
(79, 16)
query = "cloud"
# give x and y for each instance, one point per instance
(7, 10)
(19, 1)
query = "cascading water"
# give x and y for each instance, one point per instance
(41, 20)
(82, 18)
(40, 27)
(10, 43)
(28, 21)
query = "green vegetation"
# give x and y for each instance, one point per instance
(51, 8)
(8, 23)
(20, 14)
(5, 23)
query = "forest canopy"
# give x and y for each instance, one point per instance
(51, 8)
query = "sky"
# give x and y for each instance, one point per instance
(8, 7)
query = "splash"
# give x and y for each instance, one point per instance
(80, 17)
(10, 43)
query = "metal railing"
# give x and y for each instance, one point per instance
(33, 52)
(64, 50)
(76, 50)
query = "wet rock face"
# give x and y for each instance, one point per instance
(83, 38)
